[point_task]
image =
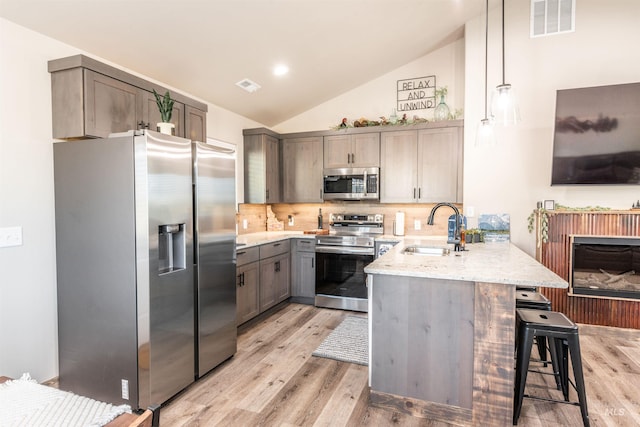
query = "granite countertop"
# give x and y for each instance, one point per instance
(496, 262)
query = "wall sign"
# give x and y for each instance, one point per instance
(416, 94)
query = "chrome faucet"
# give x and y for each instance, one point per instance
(456, 228)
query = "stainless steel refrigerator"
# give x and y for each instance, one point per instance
(215, 241)
(126, 271)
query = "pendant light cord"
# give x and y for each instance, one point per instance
(486, 55)
(503, 42)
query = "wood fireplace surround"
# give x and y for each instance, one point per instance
(555, 254)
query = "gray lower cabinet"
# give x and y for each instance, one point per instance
(303, 270)
(274, 280)
(263, 278)
(247, 284)
(302, 170)
(261, 169)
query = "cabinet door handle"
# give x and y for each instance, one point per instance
(267, 194)
(414, 192)
(275, 245)
(277, 265)
(313, 262)
(353, 158)
(241, 253)
(419, 193)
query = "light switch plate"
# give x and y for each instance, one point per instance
(10, 236)
(417, 224)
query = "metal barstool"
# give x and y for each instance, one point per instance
(562, 335)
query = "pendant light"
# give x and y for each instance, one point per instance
(504, 106)
(484, 135)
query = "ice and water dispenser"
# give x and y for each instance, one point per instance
(171, 248)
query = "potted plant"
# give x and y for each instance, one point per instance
(165, 106)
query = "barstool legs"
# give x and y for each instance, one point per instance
(523, 354)
(576, 361)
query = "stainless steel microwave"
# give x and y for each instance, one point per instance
(351, 184)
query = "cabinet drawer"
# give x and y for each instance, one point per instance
(247, 255)
(305, 245)
(273, 249)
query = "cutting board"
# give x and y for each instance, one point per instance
(316, 231)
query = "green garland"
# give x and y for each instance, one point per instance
(544, 218)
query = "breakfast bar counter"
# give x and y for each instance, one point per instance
(442, 329)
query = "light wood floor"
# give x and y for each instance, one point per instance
(274, 381)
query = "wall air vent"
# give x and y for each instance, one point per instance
(248, 85)
(552, 17)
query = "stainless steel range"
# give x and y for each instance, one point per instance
(341, 257)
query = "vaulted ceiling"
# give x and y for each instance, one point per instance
(204, 47)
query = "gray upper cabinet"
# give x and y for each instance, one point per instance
(399, 167)
(92, 100)
(421, 166)
(352, 150)
(261, 169)
(109, 104)
(440, 165)
(195, 123)
(302, 170)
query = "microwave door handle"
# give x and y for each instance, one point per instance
(365, 183)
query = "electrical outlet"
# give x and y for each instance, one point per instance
(10, 236)
(125, 389)
(245, 224)
(417, 224)
(469, 211)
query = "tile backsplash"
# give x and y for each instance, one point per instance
(305, 216)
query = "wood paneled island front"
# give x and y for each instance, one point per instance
(442, 330)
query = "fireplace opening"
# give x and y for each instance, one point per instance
(605, 266)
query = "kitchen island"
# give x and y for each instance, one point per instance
(442, 330)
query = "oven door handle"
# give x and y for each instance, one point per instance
(345, 250)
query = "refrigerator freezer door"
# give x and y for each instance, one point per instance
(214, 190)
(165, 295)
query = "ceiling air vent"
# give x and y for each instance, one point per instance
(248, 85)
(552, 17)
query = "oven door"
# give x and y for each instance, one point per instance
(340, 278)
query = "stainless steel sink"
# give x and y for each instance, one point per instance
(425, 250)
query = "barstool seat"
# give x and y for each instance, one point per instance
(526, 298)
(562, 335)
(532, 299)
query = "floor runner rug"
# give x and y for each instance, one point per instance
(349, 342)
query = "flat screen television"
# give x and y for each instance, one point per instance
(597, 135)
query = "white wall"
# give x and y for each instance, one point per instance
(28, 316)
(514, 175)
(378, 97)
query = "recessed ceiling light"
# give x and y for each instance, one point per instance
(248, 85)
(280, 70)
